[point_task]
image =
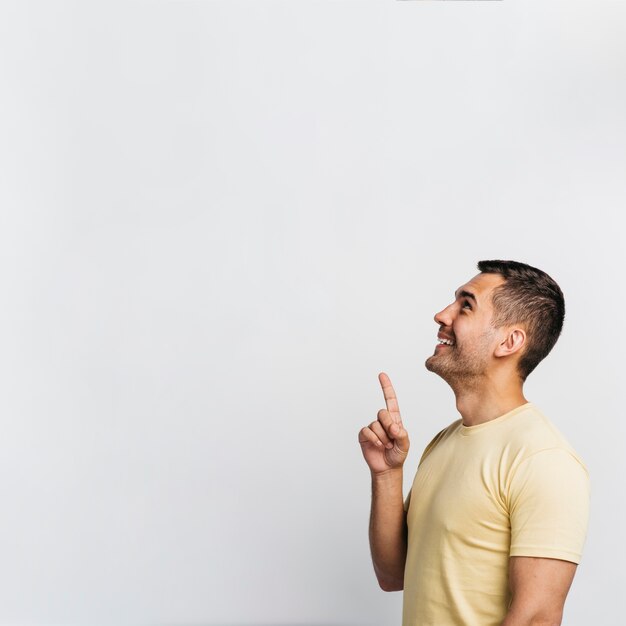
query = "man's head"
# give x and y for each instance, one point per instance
(510, 315)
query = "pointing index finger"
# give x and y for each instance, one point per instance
(390, 396)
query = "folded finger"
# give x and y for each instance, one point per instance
(386, 419)
(378, 429)
(367, 435)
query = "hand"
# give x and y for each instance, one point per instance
(385, 443)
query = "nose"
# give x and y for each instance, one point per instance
(444, 317)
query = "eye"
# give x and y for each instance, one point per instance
(468, 304)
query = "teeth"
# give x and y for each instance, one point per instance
(447, 342)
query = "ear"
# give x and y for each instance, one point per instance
(513, 341)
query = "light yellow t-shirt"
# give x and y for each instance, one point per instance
(512, 486)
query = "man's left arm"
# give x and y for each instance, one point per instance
(548, 497)
(539, 587)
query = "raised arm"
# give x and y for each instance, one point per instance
(385, 445)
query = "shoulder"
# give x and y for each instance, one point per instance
(542, 467)
(535, 433)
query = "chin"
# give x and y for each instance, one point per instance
(433, 366)
(429, 365)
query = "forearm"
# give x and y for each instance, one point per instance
(388, 530)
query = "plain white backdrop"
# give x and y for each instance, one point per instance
(219, 221)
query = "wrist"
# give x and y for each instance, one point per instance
(391, 474)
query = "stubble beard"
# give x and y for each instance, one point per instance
(461, 368)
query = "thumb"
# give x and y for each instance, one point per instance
(398, 432)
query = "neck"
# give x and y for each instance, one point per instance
(484, 402)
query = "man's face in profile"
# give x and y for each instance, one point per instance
(467, 323)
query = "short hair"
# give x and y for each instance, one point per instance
(531, 298)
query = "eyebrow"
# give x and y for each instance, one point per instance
(466, 294)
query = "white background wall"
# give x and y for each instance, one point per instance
(219, 222)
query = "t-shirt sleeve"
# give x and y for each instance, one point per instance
(407, 500)
(431, 444)
(549, 497)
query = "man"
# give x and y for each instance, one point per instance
(494, 524)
